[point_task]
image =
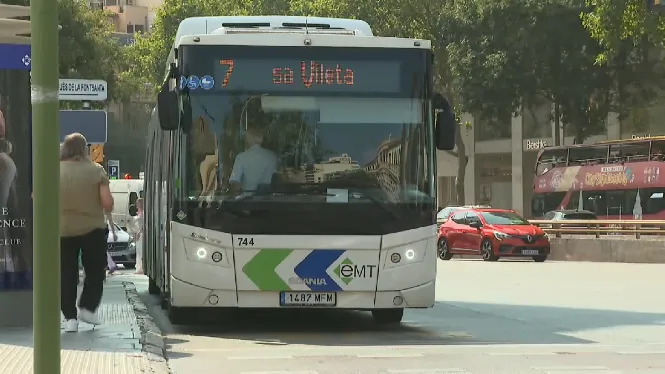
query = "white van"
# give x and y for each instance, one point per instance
(125, 193)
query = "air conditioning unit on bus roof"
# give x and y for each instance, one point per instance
(285, 29)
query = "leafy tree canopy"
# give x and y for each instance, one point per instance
(617, 24)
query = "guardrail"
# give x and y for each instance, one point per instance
(602, 227)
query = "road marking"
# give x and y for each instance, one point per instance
(584, 372)
(641, 352)
(276, 357)
(521, 354)
(391, 355)
(574, 369)
(280, 372)
(429, 371)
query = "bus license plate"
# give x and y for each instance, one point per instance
(529, 252)
(307, 298)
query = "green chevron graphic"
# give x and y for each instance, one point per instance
(261, 269)
(338, 271)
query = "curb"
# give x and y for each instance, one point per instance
(152, 341)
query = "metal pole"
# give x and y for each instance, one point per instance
(46, 188)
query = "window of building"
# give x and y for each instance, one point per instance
(491, 129)
(537, 119)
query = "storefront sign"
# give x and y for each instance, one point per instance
(534, 145)
(638, 137)
(15, 168)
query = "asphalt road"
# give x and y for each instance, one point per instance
(509, 317)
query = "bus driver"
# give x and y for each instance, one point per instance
(253, 167)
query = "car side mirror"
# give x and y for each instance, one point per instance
(476, 224)
(445, 124)
(168, 108)
(133, 211)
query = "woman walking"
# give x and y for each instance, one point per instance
(85, 201)
(137, 231)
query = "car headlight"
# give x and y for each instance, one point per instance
(501, 236)
(131, 245)
(546, 236)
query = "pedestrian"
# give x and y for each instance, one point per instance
(137, 231)
(85, 204)
(253, 167)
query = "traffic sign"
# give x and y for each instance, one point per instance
(90, 123)
(114, 169)
(83, 90)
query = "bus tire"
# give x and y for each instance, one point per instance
(179, 316)
(153, 289)
(392, 316)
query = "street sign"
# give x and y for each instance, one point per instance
(83, 90)
(89, 123)
(114, 169)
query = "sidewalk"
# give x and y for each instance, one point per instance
(126, 342)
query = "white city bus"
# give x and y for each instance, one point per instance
(345, 220)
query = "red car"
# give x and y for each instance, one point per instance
(491, 233)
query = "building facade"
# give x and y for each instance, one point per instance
(502, 158)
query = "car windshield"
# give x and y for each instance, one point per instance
(108, 225)
(503, 218)
(579, 216)
(445, 213)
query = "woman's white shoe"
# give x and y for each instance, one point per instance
(71, 325)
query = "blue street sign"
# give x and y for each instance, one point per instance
(114, 169)
(15, 57)
(207, 82)
(89, 123)
(193, 82)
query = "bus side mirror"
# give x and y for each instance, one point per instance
(168, 109)
(133, 211)
(445, 125)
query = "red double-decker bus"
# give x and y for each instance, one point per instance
(618, 179)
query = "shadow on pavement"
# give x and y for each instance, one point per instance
(455, 323)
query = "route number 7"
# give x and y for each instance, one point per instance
(229, 71)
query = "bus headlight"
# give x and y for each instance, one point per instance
(201, 253)
(410, 254)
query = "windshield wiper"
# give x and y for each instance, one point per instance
(383, 205)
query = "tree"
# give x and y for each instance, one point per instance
(617, 24)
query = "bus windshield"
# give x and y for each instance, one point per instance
(343, 135)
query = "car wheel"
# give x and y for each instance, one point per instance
(443, 250)
(388, 316)
(487, 251)
(540, 258)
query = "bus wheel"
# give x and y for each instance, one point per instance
(164, 300)
(153, 289)
(391, 316)
(179, 316)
